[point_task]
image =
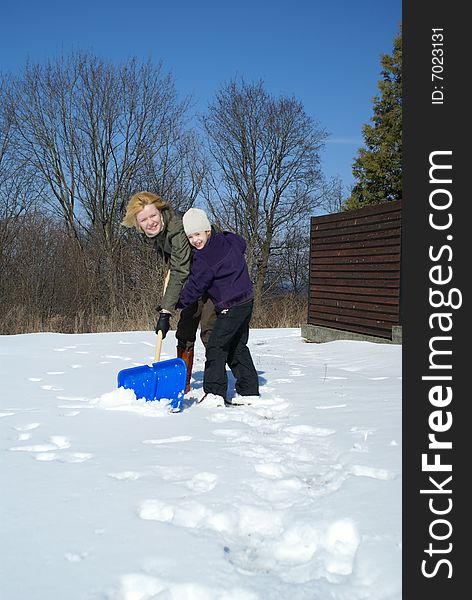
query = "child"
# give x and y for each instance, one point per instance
(219, 268)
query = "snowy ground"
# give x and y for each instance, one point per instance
(106, 497)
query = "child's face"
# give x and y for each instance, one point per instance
(199, 239)
(150, 220)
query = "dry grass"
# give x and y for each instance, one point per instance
(278, 311)
(60, 287)
(287, 310)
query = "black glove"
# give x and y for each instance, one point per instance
(163, 323)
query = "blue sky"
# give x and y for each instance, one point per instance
(326, 54)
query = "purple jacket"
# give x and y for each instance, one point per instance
(220, 270)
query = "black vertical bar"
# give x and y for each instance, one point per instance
(435, 247)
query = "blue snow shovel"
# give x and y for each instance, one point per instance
(161, 380)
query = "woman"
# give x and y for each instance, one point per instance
(157, 221)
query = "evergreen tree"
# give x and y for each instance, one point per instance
(378, 166)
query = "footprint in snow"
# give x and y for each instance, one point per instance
(172, 440)
(64, 348)
(261, 453)
(275, 403)
(174, 473)
(189, 514)
(74, 557)
(296, 373)
(341, 541)
(270, 470)
(309, 430)
(72, 398)
(126, 475)
(336, 546)
(283, 492)
(68, 457)
(229, 433)
(374, 473)
(297, 545)
(57, 442)
(202, 482)
(26, 427)
(234, 435)
(116, 357)
(246, 521)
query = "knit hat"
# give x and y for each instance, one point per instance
(195, 221)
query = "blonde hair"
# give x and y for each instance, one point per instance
(136, 204)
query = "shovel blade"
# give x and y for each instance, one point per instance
(161, 380)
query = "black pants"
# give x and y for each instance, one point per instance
(201, 312)
(228, 346)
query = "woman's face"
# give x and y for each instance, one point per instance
(150, 220)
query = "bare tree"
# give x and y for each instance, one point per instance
(18, 189)
(179, 176)
(266, 177)
(289, 265)
(93, 131)
(335, 195)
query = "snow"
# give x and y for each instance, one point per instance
(108, 497)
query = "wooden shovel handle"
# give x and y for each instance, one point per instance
(157, 355)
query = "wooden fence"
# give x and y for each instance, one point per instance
(355, 270)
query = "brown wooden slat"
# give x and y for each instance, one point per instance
(351, 289)
(360, 305)
(378, 209)
(385, 221)
(383, 333)
(346, 237)
(364, 284)
(346, 314)
(370, 252)
(360, 321)
(388, 229)
(356, 265)
(329, 245)
(337, 296)
(347, 276)
(356, 260)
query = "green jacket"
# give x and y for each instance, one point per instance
(173, 248)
